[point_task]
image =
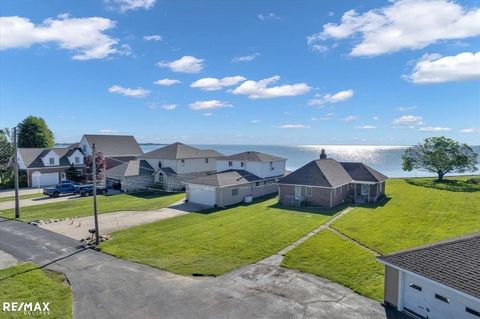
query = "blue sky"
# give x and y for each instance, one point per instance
(244, 72)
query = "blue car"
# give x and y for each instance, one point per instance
(61, 189)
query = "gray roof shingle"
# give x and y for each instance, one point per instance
(253, 156)
(181, 151)
(454, 263)
(331, 173)
(114, 145)
(32, 157)
(226, 178)
(130, 168)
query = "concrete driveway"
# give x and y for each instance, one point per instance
(107, 287)
(22, 191)
(110, 222)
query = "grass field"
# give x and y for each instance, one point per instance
(27, 196)
(26, 282)
(84, 206)
(456, 184)
(333, 257)
(411, 216)
(214, 243)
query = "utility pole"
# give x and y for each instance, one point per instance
(94, 169)
(15, 160)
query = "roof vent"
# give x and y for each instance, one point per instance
(323, 155)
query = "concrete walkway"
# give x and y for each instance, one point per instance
(106, 287)
(23, 191)
(7, 260)
(110, 222)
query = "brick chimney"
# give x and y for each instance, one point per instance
(323, 155)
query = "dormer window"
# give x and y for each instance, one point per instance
(77, 160)
(51, 161)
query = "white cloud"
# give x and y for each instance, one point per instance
(245, 58)
(207, 114)
(125, 5)
(168, 107)
(268, 16)
(288, 126)
(260, 89)
(107, 130)
(84, 36)
(208, 105)
(404, 24)
(212, 84)
(434, 129)
(406, 108)
(186, 64)
(435, 69)
(350, 118)
(325, 117)
(166, 82)
(365, 127)
(137, 92)
(375, 118)
(470, 130)
(331, 98)
(255, 121)
(153, 37)
(408, 120)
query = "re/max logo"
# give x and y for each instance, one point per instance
(27, 307)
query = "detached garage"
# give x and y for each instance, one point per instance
(440, 281)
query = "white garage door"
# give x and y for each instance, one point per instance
(200, 194)
(430, 300)
(44, 179)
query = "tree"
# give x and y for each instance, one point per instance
(440, 155)
(72, 174)
(34, 132)
(100, 163)
(6, 153)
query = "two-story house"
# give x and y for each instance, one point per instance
(46, 167)
(240, 177)
(177, 163)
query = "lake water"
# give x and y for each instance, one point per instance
(386, 159)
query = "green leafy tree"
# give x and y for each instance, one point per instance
(34, 132)
(6, 153)
(72, 174)
(440, 155)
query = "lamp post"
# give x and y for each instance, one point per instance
(95, 214)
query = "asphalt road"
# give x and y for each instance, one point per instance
(107, 287)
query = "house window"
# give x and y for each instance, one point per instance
(51, 161)
(257, 183)
(230, 164)
(308, 191)
(79, 172)
(417, 287)
(442, 298)
(365, 189)
(84, 148)
(206, 161)
(271, 166)
(234, 191)
(264, 182)
(242, 164)
(471, 311)
(160, 177)
(183, 162)
(77, 160)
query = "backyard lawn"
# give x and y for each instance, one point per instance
(84, 206)
(26, 282)
(411, 216)
(215, 243)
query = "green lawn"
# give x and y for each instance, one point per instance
(455, 184)
(215, 243)
(12, 198)
(410, 216)
(330, 256)
(84, 206)
(26, 282)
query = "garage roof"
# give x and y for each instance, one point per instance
(226, 178)
(181, 151)
(454, 263)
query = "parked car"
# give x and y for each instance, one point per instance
(60, 189)
(87, 190)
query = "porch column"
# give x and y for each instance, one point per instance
(368, 196)
(331, 199)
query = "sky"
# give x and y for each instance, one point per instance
(244, 72)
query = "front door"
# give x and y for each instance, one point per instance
(298, 193)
